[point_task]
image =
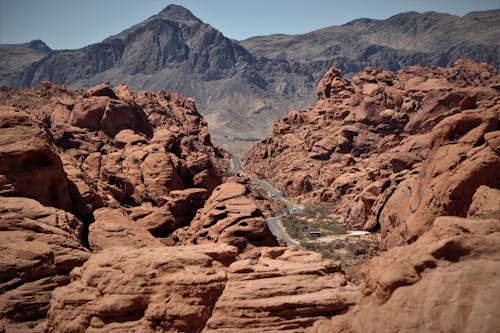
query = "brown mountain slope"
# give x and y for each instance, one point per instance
(428, 38)
(390, 150)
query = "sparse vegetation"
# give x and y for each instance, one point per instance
(350, 251)
(336, 250)
(80, 175)
(30, 325)
(135, 160)
(29, 238)
(312, 218)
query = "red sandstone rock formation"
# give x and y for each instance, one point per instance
(390, 150)
(393, 150)
(113, 227)
(120, 289)
(138, 155)
(199, 288)
(231, 215)
(121, 148)
(29, 164)
(280, 290)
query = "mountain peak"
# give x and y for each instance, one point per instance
(39, 45)
(177, 13)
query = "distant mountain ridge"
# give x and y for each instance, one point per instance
(242, 87)
(16, 58)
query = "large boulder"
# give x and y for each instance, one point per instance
(113, 227)
(229, 216)
(280, 289)
(123, 289)
(485, 204)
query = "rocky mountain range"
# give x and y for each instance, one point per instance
(15, 59)
(241, 87)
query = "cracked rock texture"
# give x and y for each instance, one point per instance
(39, 246)
(280, 289)
(199, 288)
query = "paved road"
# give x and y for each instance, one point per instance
(277, 231)
(235, 164)
(272, 223)
(276, 194)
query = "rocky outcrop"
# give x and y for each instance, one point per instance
(231, 215)
(113, 227)
(199, 288)
(177, 210)
(107, 157)
(280, 290)
(170, 289)
(390, 150)
(485, 204)
(29, 164)
(40, 240)
(40, 245)
(120, 148)
(445, 282)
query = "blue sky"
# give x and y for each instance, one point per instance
(67, 24)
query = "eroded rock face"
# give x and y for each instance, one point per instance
(485, 204)
(113, 227)
(199, 288)
(169, 289)
(231, 215)
(109, 158)
(29, 163)
(390, 150)
(280, 289)
(40, 245)
(445, 282)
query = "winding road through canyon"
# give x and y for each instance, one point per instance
(273, 223)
